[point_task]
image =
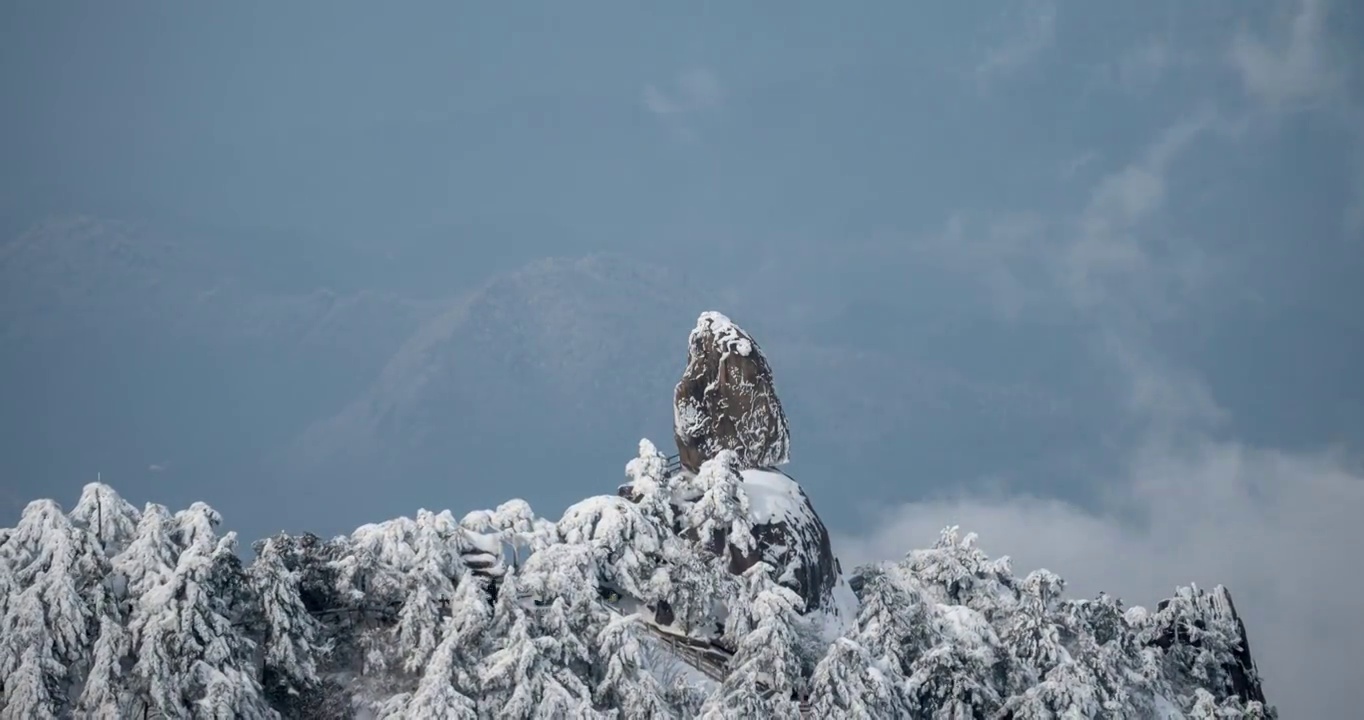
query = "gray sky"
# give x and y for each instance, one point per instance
(1081, 277)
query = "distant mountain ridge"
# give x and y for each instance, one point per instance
(146, 343)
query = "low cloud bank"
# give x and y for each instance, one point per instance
(1280, 530)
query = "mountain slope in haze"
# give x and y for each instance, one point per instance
(133, 352)
(534, 363)
(158, 351)
(566, 356)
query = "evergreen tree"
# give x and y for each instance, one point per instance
(1033, 632)
(58, 571)
(191, 660)
(623, 684)
(449, 687)
(33, 689)
(625, 542)
(650, 488)
(720, 516)
(150, 557)
(291, 639)
(1104, 643)
(956, 572)
(765, 673)
(848, 685)
(892, 624)
(106, 694)
(951, 682)
(109, 518)
(690, 582)
(526, 678)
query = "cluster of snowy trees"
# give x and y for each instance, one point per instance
(113, 612)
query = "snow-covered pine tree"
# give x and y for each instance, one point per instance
(149, 557)
(957, 572)
(418, 630)
(563, 580)
(952, 681)
(291, 639)
(33, 689)
(519, 528)
(1067, 691)
(508, 607)
(191, 659)
(58, 571)
(373, 570)
(848, 685)
(111, 519)
(7, 580)
(1033, 631)
(764, 675)
(1206, 707)
(687, 587)
(437, 544)
(542, 666)
(1102, 641)
(892, 620)
(742, 615)
(526, 678)
(449, 687)
(105, 695)
(373, 577)
(720, 516)
(650, 488)
(623, 684)
(625, 542)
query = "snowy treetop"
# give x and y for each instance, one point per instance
(622, 606)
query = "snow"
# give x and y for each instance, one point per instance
(946, 629)
(1166, 709)
(728, 336)
(774, 497)
(841, 615)
(964, 625)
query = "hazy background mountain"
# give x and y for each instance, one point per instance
(192, 381)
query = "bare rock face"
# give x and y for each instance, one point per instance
(726, 399)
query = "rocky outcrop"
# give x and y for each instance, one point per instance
(726, 399)
(787, 532)
(1196, 621)
(790, 537)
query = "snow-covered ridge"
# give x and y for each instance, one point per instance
(113, 611)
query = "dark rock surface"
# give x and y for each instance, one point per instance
(726, 399)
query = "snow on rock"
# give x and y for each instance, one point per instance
(775, 497)
(791, 537)
(726, 399)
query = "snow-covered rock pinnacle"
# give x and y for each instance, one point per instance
(726, 399)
